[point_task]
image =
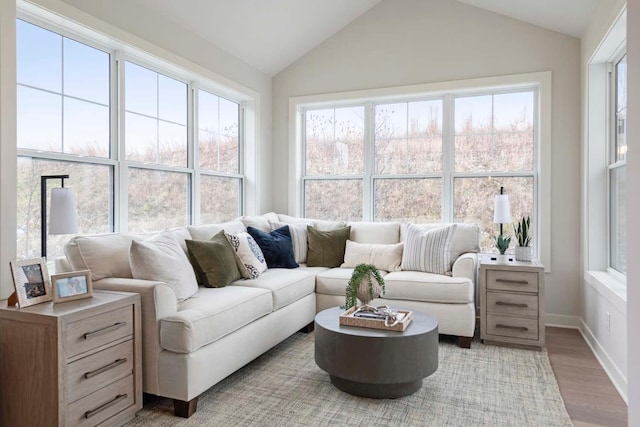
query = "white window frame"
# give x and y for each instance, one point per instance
(541, 81)
(194, 76)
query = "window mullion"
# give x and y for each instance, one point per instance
(368, 183)
(448, 158)
(121, 195)
(192, 152)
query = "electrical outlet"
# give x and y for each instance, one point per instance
(608, 321)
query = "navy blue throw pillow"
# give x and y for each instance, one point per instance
(276, 246)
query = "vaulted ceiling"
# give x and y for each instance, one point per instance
(271, 34)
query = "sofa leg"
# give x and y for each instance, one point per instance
(309, 328)
(185, 409)
(464, 342)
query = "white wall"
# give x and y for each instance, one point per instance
(633, 177)
(598, 301)
(404, 42)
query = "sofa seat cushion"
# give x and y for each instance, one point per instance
(334, 281)
(211, 314)
(313, 270)
(429, 287)
(286, 285)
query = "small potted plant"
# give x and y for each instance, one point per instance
(524, 252)
(366, 284)
(502, 244)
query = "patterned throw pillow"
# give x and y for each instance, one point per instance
(251, 262)
(298, 237)
(427, 250)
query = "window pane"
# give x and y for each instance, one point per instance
(494, 133)
(39, 57)
(172, 147)
(172, 100)
(141, 138)
(218, 137)
(335, 141)
(621, 109)
(416, 200)
(92, 186)
(408, 137)
(157, 200)
(618, 232)
(86, 128)
(86, 72)
(141, 89)
(333, 199)
(39, 121)
(474, 203)
(219, 199)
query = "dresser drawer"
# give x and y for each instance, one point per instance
(101, 405)
(505, 280)
(513, 304)
(515, 327)
(89, 333)
(91, 373)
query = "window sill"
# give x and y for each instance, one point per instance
(610, 287)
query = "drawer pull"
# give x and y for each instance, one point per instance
(512, 304)
(103, 331)
(516, 282)
(517, 328)
(92, 412)
(105, 368)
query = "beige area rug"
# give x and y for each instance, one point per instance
(483, 386)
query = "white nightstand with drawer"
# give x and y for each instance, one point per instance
(512, 303)
(75, 363)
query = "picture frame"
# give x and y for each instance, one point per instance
(71, 286)
(31, 281)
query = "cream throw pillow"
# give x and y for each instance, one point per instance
(161, 258)
(427, 250)
(384, 257)
(249, 256)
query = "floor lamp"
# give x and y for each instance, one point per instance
(63, 218)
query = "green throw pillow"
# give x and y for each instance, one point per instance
(326, 248)
(214, 261)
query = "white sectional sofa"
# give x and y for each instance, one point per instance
(189, 345)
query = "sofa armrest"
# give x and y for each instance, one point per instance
(157, 301)
(465, 266)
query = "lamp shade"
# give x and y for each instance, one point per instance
(501, 210)
(62, 216)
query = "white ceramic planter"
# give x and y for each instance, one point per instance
(524, 253)
(502, 259)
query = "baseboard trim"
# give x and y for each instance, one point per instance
(562, 321)
(617, 378)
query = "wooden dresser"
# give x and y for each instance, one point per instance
(75, 363)
(512, 303)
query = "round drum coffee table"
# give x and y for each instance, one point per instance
(376, 363)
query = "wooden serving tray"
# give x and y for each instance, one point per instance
(347, 319)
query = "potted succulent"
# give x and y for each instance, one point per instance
(366, 284)
(524, 251)
(502, 244)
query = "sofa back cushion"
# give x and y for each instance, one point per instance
(106, 255)
(207, 231)
(381, 233)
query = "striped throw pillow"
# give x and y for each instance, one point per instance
(298, 236)
(427, 250)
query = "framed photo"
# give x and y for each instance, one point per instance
(31, 280)
(71, 286)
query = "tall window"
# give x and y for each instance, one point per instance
(430, 160)
(617, 169)
(67, 91)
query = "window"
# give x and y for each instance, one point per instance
(617, 169)
(431, 159)
(153, 174)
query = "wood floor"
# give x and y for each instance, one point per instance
(590, 397)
